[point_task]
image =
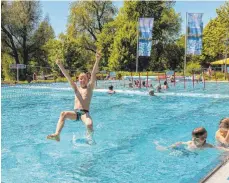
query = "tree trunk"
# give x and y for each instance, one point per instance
(25, 53)
(12, 46)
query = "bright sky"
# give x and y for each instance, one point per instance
(58, 11)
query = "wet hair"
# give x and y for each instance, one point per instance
(143, 83)
(110, 87)
(83, 74)
(151, 92)
(165, 83)
(197, 132)
(224, 123)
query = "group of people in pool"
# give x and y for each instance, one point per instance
(151, 91)
(159, 88)
(138, 84)
(199, 137)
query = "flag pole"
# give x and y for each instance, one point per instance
(137, 48)
(185, 44)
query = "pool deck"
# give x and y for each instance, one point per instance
(219, 175)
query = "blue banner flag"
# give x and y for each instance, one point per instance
(144, 47)
(195, 33)
(145, 36)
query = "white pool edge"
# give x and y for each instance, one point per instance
(219, 174)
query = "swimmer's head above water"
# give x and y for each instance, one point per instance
(111, 91)
(199, 136)
(110, 87)
(151, 93)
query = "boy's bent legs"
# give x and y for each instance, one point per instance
(64, 115)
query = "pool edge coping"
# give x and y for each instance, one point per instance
(216, 169)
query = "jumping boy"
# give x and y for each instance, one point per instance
(83, 95)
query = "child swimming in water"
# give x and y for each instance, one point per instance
(83, 95)
(151, 93)
(199, 141)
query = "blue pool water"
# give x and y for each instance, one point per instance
(127, 126)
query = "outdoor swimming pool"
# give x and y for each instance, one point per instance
(126, 126)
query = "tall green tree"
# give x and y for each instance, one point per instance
(124, 38)
(19, 21)
(39, 56)
(104, 41)
(86, 21)
(215, 34)
(75, 58)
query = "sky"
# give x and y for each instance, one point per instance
(58, 11)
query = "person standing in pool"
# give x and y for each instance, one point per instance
(83, 95)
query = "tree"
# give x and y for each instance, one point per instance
(66, 48)
(104, 41)
(7, 73)
(39, 56)
(86, 23)
(174, 55)
(87, 19)
(124, 45)
(215, 34)
(19, 20)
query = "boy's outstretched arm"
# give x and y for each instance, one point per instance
(95, 69)
(65, 73)
(177, 144)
